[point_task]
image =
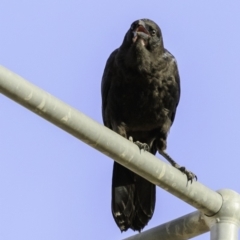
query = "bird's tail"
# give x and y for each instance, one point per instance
(133, 199)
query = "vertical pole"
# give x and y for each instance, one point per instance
(224, 230)
(225, 224)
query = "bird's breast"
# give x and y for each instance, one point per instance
(141, 105)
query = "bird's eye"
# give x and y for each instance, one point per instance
(153, 31)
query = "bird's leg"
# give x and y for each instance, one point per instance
(190, 175)
(142, 146)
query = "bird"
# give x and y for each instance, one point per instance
(140, 91)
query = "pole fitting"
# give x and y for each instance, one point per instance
(225, 223)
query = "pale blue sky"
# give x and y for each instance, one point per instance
(52, 186)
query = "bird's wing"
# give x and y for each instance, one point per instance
(174, 69)
(177, 79)
(106, 84)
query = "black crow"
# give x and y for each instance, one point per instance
(140, 95)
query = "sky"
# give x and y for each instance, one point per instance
(53, 186)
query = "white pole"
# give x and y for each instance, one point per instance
(224, 207)
(225, 224)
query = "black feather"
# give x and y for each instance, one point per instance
(140, 94)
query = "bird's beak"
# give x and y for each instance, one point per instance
(141, 32)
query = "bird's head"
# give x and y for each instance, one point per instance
(144, 32)
(140, 32)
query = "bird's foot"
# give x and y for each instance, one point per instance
(190, 175)
(142, 146)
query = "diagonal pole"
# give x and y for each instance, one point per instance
(183, 228)
(108, 142)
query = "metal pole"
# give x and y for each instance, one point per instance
(183, 228)
(224, 231)
(225, 224)
(108, 142)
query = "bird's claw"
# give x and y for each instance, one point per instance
(190, 175)
(142, 146)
